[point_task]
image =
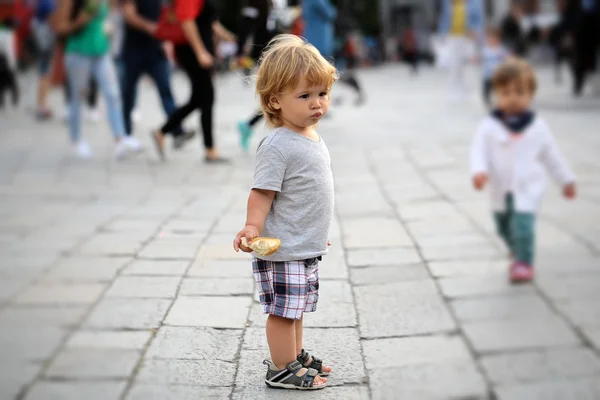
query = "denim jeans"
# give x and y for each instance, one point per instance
(79, 68)
(135, 63)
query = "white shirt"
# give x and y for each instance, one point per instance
(516, 163)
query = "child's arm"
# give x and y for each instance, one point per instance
(269, 175)
(259, 204)
(557, 166)
(479, 161)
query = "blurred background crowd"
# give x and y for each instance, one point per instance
(365, 33)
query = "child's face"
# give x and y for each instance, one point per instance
(513, 98)
(302, 107)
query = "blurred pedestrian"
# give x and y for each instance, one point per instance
(346, 59)
(408, 49)
(560, 41)
(493, 54)
(582, 22)
(319, 17)
(461, 25)
(512, 148)
(259, 23)
(45, 41)
(143, 53)
(512, 32)
(87, 53)
(198, 20)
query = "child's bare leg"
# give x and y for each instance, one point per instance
(299, 326)
(281, 336)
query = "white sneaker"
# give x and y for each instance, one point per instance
(121, 149)
(133, 144)
(82, 149)
(93, 115)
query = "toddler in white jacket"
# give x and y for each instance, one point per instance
(512, 148)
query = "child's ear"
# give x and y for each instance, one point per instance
(274, 102)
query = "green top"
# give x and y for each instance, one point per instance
(91, 40)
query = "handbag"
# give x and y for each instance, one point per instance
(168, 27)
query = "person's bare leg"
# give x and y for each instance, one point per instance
(281, 336)
(299, 327)
(212, 153)
(42, 94)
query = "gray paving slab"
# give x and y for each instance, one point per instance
(482, 285)
(393, 256)
(143, 391)
(221, 268)
(490, 336)
(61, 294)
(329, 393)
(144, 287)
(187, 372)
(217, 287)
(118, 313)
(456, 268)
(374, 232)
(563, 389)
(541, 365)
(458, 379)
(85, 269)
(42, 316)
(388, 274)
(170, 249)
(126, 340)
(209, 311)
(501, 308)
(156, 268)
(195, 344)
(47, 390)
(93, 363)
(401, 309)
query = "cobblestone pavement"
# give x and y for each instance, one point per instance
(118, 280)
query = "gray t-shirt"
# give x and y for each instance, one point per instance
(299, 170)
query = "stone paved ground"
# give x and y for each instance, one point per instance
(118, 280)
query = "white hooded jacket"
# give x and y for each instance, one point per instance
(516, 163)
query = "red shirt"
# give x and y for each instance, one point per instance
(186, 10)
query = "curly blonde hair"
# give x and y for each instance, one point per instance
(285, 60)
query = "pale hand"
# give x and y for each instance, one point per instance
(249, 232)
(569, 191)
(205, 60)
(479, 181)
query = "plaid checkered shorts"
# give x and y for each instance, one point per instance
(287, 288)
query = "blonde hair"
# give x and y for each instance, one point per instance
(285, 60)
(515, 70)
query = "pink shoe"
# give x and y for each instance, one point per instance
(521, 272)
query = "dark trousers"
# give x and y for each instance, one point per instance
(586, 46)
(257, 117)
(137, 62)
(202, 97)
(517, 229)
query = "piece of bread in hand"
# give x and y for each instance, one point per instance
(263, 246)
